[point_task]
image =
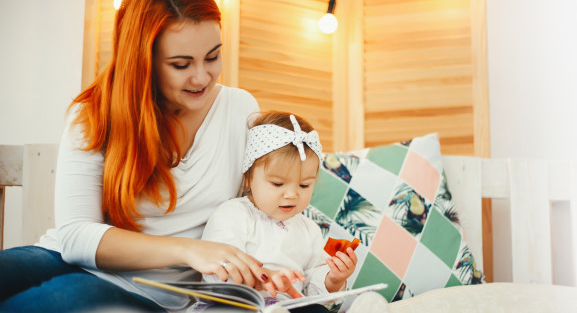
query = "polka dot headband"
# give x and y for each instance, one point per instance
(264, 139)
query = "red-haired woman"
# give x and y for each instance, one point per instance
(151, 148)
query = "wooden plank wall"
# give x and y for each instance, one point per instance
(286, 62)
(106, 15)
(283, 58)
(423, 67)
(418, 72)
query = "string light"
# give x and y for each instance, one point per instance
(117, 4)
(328, 23)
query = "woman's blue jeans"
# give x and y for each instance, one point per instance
(34, 279)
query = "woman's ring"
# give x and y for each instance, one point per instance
(224, 263)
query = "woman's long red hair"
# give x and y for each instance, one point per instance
(123, 116)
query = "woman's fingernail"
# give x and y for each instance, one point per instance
(264, 277)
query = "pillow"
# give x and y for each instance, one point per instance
(396, 200)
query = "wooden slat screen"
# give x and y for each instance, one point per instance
(286, 62)
(107, 14)
(417, 60)
(418, 72)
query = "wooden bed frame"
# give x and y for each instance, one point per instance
(530, 185)
(33, 167)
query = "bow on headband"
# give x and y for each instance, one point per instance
(264, 139)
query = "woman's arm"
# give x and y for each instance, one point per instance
(121, 249)
(86, 240)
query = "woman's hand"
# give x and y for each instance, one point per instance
(282, 281)
(342, 266)
(147, 252)
(225, 261)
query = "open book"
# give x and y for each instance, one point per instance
(244, 296)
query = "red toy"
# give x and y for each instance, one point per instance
(334, 245)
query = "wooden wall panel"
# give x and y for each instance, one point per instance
(106, 17)
(418, 72)
(286, 62)
(90, 42)
(409, 67)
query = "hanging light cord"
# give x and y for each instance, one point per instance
(331, 9)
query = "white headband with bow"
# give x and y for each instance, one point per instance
(264, 139)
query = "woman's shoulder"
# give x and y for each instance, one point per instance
(237, 92)
(73, 136)
(233, 96)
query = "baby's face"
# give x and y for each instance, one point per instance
(283, 190)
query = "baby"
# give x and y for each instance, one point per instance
(280, 168)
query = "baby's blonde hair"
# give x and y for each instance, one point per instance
(289, 153)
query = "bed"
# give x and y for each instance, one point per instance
(529, 185)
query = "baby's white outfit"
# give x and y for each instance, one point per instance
(296, 243)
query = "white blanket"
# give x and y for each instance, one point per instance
(492, 297)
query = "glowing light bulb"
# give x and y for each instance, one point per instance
(117, 4)
(328, 23)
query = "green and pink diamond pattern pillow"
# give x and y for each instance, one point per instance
(396, 200)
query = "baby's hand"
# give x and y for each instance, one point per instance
(283, 281)
(342, 266)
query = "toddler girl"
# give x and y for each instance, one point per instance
(281, 163)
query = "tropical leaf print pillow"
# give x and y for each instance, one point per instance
(396, 200)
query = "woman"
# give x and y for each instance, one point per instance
(151, 148)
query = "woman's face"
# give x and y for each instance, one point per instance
(187, 63)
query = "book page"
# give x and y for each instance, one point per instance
(226, 293)
(299, 302)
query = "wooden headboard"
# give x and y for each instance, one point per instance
(530, 186)
(32, 167)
